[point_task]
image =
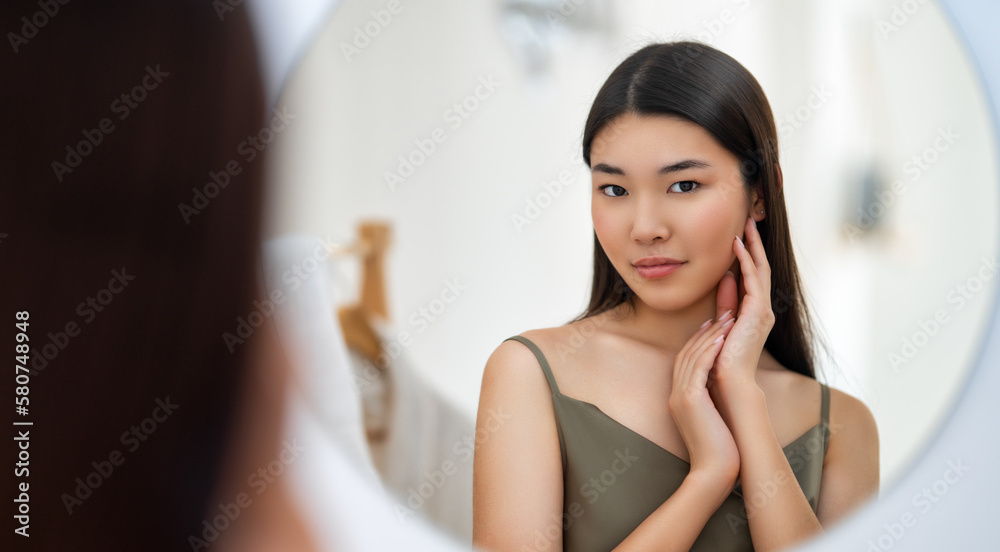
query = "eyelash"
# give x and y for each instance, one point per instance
(697, 185)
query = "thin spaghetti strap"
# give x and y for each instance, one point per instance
(541, 360)
(824, 415)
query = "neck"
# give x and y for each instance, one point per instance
(668, 330)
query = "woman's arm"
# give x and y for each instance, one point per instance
(778, 512)
(676, 524)
(517, 491)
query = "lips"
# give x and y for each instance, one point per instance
(656, 267)
(654, 261)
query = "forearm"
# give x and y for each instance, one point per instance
(778, 512)
(680, 519)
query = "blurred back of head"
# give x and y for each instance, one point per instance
(129, 233)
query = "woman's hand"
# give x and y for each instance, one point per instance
(736, 365)
(737, 362)
(710, 444)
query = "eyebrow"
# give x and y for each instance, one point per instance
(678, 166)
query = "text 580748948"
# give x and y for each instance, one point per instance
(22, 379)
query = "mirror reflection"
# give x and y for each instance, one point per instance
(435, 152)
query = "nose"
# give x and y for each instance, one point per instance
(650, 223)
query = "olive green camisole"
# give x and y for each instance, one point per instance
(614, 478)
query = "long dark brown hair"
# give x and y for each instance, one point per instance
(698, 83)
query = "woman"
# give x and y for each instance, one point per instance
(681, 410)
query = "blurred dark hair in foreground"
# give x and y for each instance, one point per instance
(115, 113)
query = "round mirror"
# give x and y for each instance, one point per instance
(459, 124)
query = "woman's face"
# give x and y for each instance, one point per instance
(663, 187)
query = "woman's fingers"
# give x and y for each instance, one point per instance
(753, 258)
(703, 359)
(704, 333)
(704, 328)
(751, 282)
(699, 353)
(711, 341)
(756, 248)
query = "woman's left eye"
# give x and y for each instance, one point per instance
(683, 187)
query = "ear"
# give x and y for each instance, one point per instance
(757, 195)
(757, 202)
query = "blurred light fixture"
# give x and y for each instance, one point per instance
(533, 28)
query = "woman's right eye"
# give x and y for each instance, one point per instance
(618, 189)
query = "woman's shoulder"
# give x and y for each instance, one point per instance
(537, 336)
(844, 408)
(513, 364)
(514, 388)
(575, 339)
(801, 394)
(850, 419)
(553, 344)
(573, 335)
(852, 422)
(851, 461)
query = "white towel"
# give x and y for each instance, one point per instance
(425, 459)
(311, 337)
(345, 511)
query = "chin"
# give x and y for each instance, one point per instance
(674, 297)
(665, 300)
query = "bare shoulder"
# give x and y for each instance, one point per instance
(515, 359)
(792, 395)
(851, 465)
(852, 423)
(849, 406)
(513, 377)
(845, 409)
